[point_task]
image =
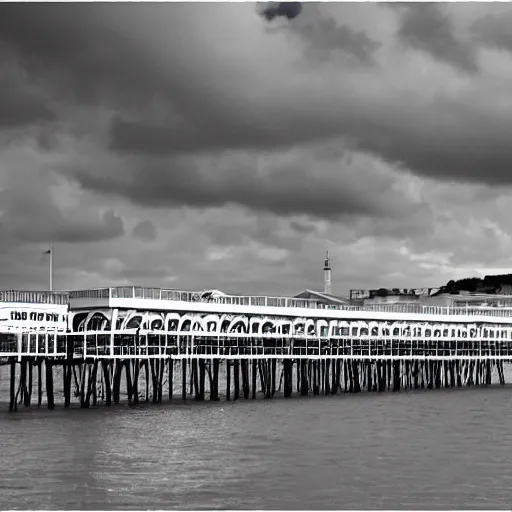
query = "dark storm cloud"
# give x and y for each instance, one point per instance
(103, 53)
(30, 215)
(110, 227)
(494, 31)
(168, 138)
(291, 187)
(426, 28)
(447, 141)
(265, 229)
(20, 107)
(450, 143)
(288, 10)
(79, 51)
(59, 39)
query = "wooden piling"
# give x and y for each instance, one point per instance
(300, 371)
(261, 372)
(202, 375)
(396, 375)
(116, 385)
(288, 377)
(106, 364)
(338, 376)
(304, 378)
(254, 377)
(316, 387)
(154, 379)
(327, 377)
(94, 382)
(171, 377)
(355, 373)
(135, 381)
(13, 406)
(49, 384)
(39, 382)
(244, 366)
(66, 375)
(23, 379)
(214, 392)
(236, 379)
(84, 379)
(369, 376)
(161, 368)
(272, 372)
(129, 388)
(28, 390)
(228, 380)
(147, 379)
(184, 379)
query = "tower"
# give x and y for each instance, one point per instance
(327, 274)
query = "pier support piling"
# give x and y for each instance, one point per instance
(49, 384)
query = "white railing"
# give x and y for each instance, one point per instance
(34, 297)
(134, 292)
(108, 344)
(99, 293)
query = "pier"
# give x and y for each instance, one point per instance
(161, 345)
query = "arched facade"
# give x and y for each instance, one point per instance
(274, 326)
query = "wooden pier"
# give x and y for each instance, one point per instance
(160, 366)
(134, 344)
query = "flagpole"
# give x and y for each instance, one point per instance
(51, 267)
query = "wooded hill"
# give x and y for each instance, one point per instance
(489, 284)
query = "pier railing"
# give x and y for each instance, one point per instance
(184, 345)
(133, 292)
(34, 297)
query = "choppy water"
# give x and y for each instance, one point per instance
(428, 449)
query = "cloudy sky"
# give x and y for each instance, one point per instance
(197, 145)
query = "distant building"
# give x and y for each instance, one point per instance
(480, 299)
(433, 297)
(391, 295)
(506, 289)
(325, 299)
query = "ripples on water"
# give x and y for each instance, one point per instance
(428, 449)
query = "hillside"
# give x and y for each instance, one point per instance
(489, 284)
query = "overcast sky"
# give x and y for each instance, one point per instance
(198, 145)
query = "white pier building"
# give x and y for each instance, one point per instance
(112, 319)
(117, 321)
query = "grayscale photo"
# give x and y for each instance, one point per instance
(255, 256)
